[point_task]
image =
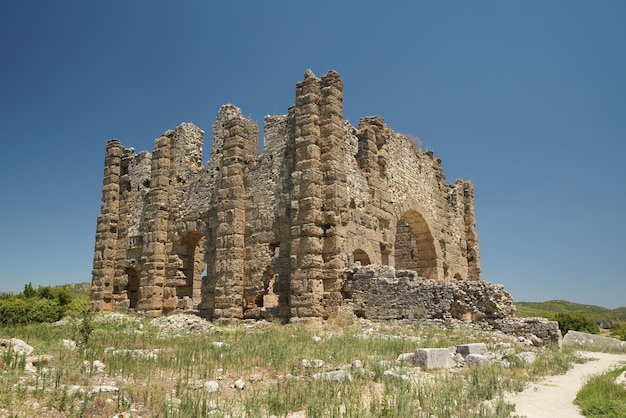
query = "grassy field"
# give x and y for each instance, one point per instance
(164, 372)
(600, 397)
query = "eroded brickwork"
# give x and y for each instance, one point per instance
(250, 235)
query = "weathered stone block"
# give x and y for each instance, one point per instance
(473, 360)
(433, 358)
(475, 348)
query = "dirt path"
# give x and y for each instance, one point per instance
(553, 397)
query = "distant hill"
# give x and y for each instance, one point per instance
(551, 307)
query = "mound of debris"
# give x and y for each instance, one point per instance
(183, 323)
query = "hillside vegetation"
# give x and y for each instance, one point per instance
(44, 304)
(577, 316)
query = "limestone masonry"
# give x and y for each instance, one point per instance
(277, 235)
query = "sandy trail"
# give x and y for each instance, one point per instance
(553, 397)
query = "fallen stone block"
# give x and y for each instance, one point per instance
(475, 348)
(433, 358)
(334, 376)
(578, 338)
(105, 389)
(473, 360)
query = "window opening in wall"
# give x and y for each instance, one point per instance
(191, 252)
(132, 288)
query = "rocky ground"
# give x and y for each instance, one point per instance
(98, 380)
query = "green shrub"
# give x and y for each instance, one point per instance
(13, 311)
(576, 321)
(44, 310)
(618, 330)
(601, 397)
(46, 304)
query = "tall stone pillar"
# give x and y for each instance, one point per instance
(306, 279)
(334, 190)
(239, 139)
(319, 197)
(106, 230)
(471, 236)
(155, 232)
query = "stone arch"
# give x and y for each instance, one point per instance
(357, 244)
(361, 256)
(458, 276)
(414, 246)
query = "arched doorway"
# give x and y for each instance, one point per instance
(361, 257)
(414, 247)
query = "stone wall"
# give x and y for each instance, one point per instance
(250, 235)
(383, 293)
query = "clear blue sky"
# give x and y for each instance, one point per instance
(525, 98)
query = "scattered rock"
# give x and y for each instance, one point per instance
(357, 364)
(528, 357)
(69, 344)
(138, 353)
(390, 374)
(18, 346)
(39, 360)
(474, 360)
(183, 323)
(97, 366)
(502, 346)
(239, 384)
(315, 363)
(405, 358)
(536, 341)
(220, 344)
(105, 389)
(211, 386)
(334, 376)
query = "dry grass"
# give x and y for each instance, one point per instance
(165, 374)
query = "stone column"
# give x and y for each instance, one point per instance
(334, 190)
(155, 226)
(306, 249)
(471, 236)
(106, 231)
(229, 269)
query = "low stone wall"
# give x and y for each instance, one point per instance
(382, 293)
(539, 331)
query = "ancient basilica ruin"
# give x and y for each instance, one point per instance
(273, 235)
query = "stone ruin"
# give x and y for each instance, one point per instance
(280, 234)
